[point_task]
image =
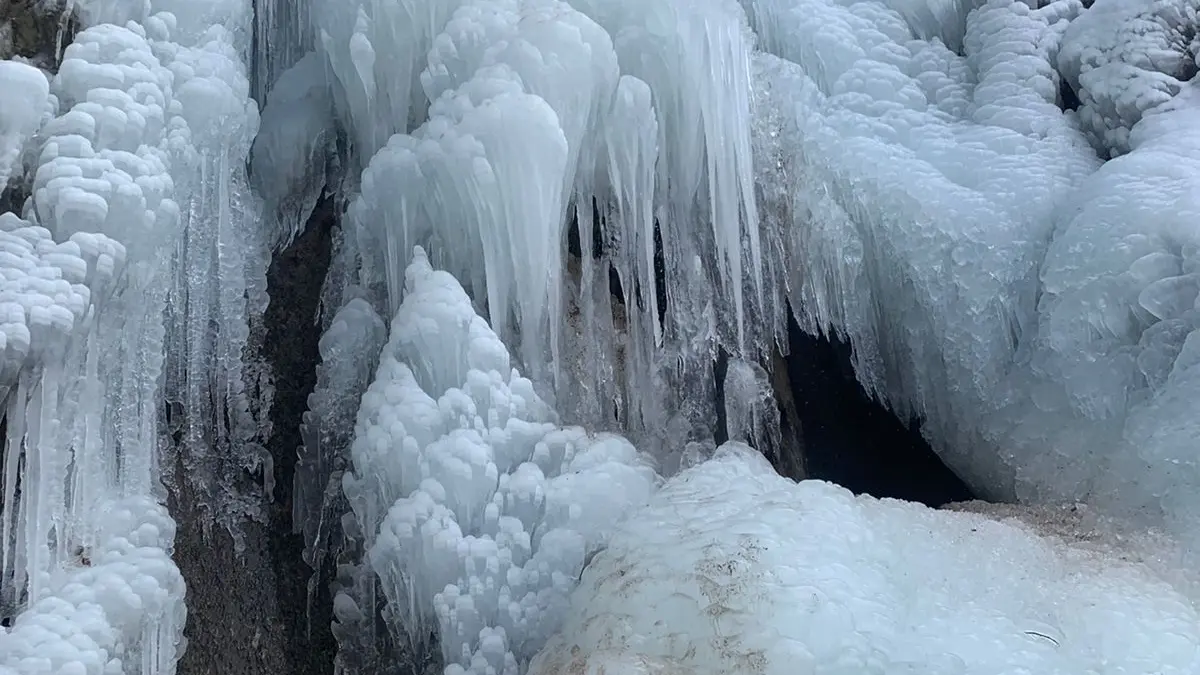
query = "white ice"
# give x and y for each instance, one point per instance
(733, 569)
(24, 101)
(478, 510)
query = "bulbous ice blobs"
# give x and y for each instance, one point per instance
(462, 463)
(47, 290)
(110, 57)
(24, 92)
(195, 21)
(121, 594)
(213, 93)
(117, 12)
(1123, 58)
(457, 544)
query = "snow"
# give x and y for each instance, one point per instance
(732, 568)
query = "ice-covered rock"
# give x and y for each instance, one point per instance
(734, 569)
(290, 158)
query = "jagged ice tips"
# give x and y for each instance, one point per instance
(556, 218)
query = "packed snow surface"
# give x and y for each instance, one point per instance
(734, 569)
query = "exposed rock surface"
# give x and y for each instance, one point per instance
(247, 614)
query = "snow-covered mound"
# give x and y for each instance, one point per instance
(478, 510)
(733, 569)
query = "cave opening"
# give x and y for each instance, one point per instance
(845, 435)
(854, 440)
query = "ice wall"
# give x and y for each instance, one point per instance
(217, 395)
(946, 215)
(139, 180)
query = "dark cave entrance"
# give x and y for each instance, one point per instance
(852, 439)
(843, 434)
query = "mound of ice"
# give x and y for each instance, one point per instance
(1124, 58)
(1032, 306)
(112, 609)
(734, 569)
(478, 511)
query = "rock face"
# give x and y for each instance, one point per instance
(36, 30)
(247, 613)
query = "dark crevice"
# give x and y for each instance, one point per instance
(294, 284)
(248, 612)
(855, 441)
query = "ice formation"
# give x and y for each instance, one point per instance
(478, 510)
(291, 160)
(955, 225)
(477, 83)
(994, 201)
(733, 569)
(26, 98)
(96, 266)
(349, 353)
(218, 399)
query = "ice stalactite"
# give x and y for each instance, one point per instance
(376, 50)
(1033, 305)
(647, 155)
(282, 37)
(349, 350)
(217, 396)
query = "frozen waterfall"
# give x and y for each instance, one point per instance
(570, 238)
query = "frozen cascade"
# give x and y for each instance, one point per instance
(349, 352)
(84, 544)
(217, 398)
(478, 509)
(629, 168)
